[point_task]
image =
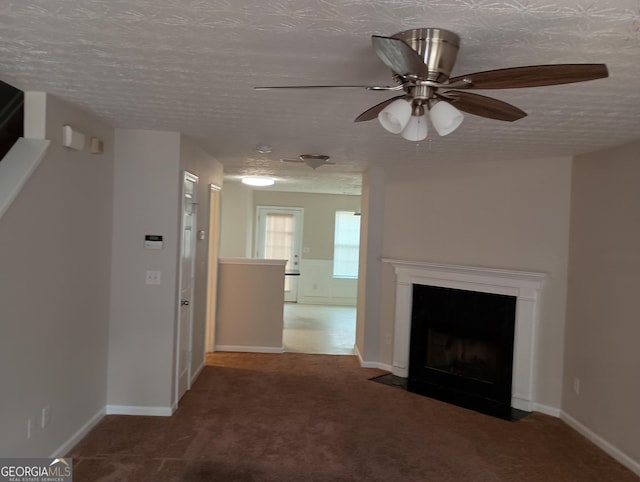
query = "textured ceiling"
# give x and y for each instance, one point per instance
(190, 66)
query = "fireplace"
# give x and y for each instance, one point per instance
(461, 347)
(523, 288)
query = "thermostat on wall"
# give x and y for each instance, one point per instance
(152, 241)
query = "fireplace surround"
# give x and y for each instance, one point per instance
(461, 347)
(525, 286)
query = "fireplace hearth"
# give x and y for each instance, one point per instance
(461, 347)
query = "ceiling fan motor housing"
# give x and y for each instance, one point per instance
(437, 47)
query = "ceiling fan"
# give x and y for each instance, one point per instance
(422, 60)
(314, 161)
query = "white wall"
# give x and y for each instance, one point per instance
(142, 318)
(55, 253)
(512, 215)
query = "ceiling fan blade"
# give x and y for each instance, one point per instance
(483, 106)
(533, 76)
(373, 112)
(366, 87)
(399, 57)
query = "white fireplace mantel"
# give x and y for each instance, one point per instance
(524, 285)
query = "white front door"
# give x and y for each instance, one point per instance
(187, 259)
(279, 236)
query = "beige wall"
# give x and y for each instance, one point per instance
(142, 318)
(209, 171)
(250, 305)
(512, 215)
(368, 336)
(603, 327)
(55, 252)
(236, 221)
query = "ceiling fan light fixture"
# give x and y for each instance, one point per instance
(258, 181)
(395, 117)
(445, 117)
(416, 129)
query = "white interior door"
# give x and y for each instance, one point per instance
(279, 236)
(187, 264)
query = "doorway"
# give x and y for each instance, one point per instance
(319, 329)
(279, 236)
(187, 266)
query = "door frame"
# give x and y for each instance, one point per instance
(186, 176)
(212, 275)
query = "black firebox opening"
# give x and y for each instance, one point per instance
(461, 348)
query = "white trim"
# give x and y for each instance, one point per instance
(524, 285)
(356, 352)
(465, 270)
(378, 365)
(366, 364)
(250, 349)
(273, 262)
(546, 409)
(214, 187)
(79, 435)
(17, 166)
(615, 452)
(327, 300)
(136, 410)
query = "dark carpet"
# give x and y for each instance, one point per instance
(294, 417)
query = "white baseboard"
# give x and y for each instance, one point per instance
(137, 410)
(546, 409)
(327, 300)
(250, 349)
(64, 449)
(616, 453)
(366, 364)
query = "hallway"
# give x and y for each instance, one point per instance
(319, 329)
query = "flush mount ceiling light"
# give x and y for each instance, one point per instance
(258, 181)
(264, 148)
(422, 60)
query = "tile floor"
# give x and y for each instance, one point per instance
(319, 329)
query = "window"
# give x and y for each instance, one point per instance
(346, 245)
